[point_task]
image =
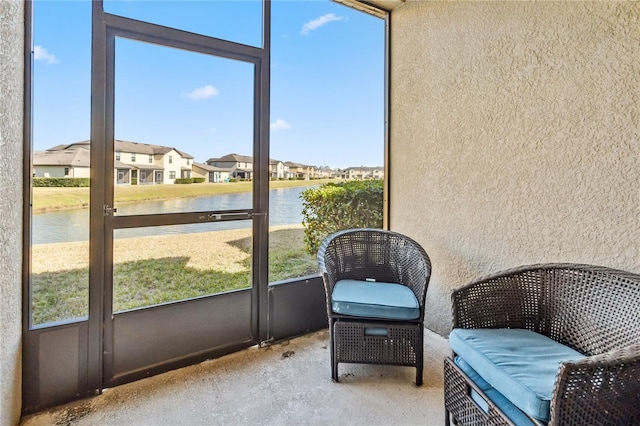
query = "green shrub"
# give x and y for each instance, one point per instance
(198, 180)
(183, 181)
(61, 182)
(233, 180)
(332, 207)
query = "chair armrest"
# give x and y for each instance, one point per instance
(600, 389)
(507, 299)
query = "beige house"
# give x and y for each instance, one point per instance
(300, 171)
(135, 163)
(361, 172)
(70, 163)
(277, 169)
(239, 166)
(150, 164)
(324, 173)
(211, 174)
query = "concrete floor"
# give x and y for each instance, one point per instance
(288, 383)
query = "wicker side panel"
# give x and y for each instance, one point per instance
(401, 346)
(603, 390)
(458, 402)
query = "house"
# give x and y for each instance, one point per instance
(72, 163)
(512, 138)
(324, 173)
(277, 169)
(239, 166)
(135, 163)
(300, 171)
(362, 172)
(151, 164)
(210, 173)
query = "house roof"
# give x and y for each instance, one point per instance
(125, 146)
(298, 165)
(230, 158)
(72, 158)
(147, 167)
(364, 169)
(146, 148)
(210, 168)
(183, 154)
(121, 165)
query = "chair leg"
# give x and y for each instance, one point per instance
(334, 364)
(420, 357)
(447, 421)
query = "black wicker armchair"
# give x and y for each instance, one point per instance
(379, 333)
(592, 310)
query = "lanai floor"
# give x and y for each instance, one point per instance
(288, 383)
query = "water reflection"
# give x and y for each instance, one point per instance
(73, 225)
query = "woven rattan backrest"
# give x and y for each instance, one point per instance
(592, 309)
(374, 253)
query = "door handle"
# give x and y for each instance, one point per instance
(108, 210)
(214, 217)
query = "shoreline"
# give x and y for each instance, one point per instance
(82, 194)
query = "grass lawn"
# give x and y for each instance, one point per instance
(64, 198)
(160, 269)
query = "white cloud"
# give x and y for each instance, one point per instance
(317, 23)
(205, 92)
(280, 124)
(41, 54)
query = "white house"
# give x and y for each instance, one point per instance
(135, 163)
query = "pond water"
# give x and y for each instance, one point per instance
(285, 207)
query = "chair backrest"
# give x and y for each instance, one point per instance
(593, 309)
(385, 256)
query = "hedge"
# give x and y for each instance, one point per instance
(189, 180)
(332, 207)
(60, 182)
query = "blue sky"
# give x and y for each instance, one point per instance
(326, 80)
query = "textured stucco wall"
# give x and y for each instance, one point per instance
(515, 136)
(11, 94)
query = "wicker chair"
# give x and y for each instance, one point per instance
(594, 310)
(386, 257)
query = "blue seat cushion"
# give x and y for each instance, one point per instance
(510, 410)
(374, 300)
(520, 364)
